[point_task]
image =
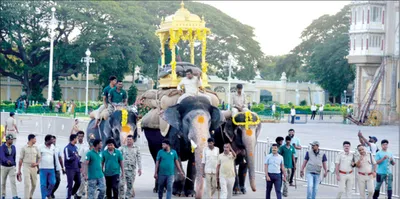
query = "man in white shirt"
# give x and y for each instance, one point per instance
(239, 101)
(58, 161)
(313, 111)
(293, 114)
(209, 162)
(321, 112)
(46, 167)
(226, 171)
(273, 108)
(295, 142)
(82, 148)
(11, 126)
(370, 145)
(191, 84)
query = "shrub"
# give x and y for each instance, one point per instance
(303, 103)
(132, 94)
(290, 104)
(7, 102)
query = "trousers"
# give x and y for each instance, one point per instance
(96, 184)
(276, 181)
(226, 187)
(312, 185)
(388, 179)
(127, 180)
(165, 181)
(211, 185)
(5, 173)
(30, 179)
(288, 172)
(47, 181)
(366, 180)
(82, 191)
(345, 184)
(58, 180)
(112, 183)
(73, 175)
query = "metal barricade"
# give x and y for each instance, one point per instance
(263, 147)
(299, 118)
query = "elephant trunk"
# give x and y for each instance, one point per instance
(199, 178)
(249, 141)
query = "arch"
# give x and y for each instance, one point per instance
(265, 96)
(219, 89)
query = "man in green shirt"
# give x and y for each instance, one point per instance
(113, 166)
(287, 151)
(93, 175)
(106, 90)
(166, 161)
(117, 96)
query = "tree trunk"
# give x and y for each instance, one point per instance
(334, 99)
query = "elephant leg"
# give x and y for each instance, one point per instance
(242, 177)
(179, 182)
(190, 174)
(154, 141)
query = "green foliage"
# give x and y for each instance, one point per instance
(290, 104)
(132, 94)
(258, 108)
(6, 102)
(303, 103)
(57, 93)
(36, 94)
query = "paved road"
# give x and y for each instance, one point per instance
(144, 184)
(332, 135)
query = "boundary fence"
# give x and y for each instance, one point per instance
(263, 147)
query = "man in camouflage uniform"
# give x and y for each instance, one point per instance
(132, 158)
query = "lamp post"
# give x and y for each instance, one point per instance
(344, 92)
(87, 60)
(229, 82)
(52, 26)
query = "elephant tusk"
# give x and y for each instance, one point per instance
(194, 145)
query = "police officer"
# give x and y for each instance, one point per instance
(366, 165)
(132, 158)
(29, 158)
(344, 170)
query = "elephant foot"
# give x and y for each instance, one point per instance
(190, 193)
(243, 190)
(235, 191)
(177, 193)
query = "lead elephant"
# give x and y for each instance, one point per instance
(190, 121)
(243, 140)
(113, 127)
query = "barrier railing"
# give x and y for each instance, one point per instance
(263, 147)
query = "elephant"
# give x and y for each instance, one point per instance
(190, 124)
(112, 128)
(243, 142)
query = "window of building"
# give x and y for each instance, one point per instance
(359, 12)
(374, 41)
(376, 14)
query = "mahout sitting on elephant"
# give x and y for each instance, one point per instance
(190, 124)
(119, 125)
(241, 131)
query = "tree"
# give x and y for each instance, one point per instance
(132, 94)
(57, 93)
(323, 51)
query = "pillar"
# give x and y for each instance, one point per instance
(65, 89)
(192, 52)
(162, 42)
(393, 88)
(79, 91)
(93, 94)
(8, 88)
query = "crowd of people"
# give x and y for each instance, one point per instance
(79, 161)
(373, 167)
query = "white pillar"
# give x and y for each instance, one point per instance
(8, 88)
(65, 89)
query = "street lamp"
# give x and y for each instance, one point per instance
(52, 26)
(344, 96)
(229, 81)
(87, 60)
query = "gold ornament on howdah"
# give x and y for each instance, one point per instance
(187, 27)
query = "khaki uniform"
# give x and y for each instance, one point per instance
(346, 173)
(132, 158)
(10, 122)
(365, 177)
(29, 155)
(238, 101)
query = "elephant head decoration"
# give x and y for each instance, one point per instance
(192, 120)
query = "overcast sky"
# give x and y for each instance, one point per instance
(278, 24)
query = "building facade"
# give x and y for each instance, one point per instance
(374, 39)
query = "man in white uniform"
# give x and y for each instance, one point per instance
(239, 101)
(191, 84)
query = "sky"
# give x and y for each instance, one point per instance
(278, 24)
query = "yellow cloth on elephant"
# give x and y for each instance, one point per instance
(3, 137)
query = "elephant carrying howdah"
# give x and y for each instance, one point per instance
(241, 131)
(119, 125)
(188, 127)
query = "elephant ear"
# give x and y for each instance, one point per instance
(216, 118)
(173, 117)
